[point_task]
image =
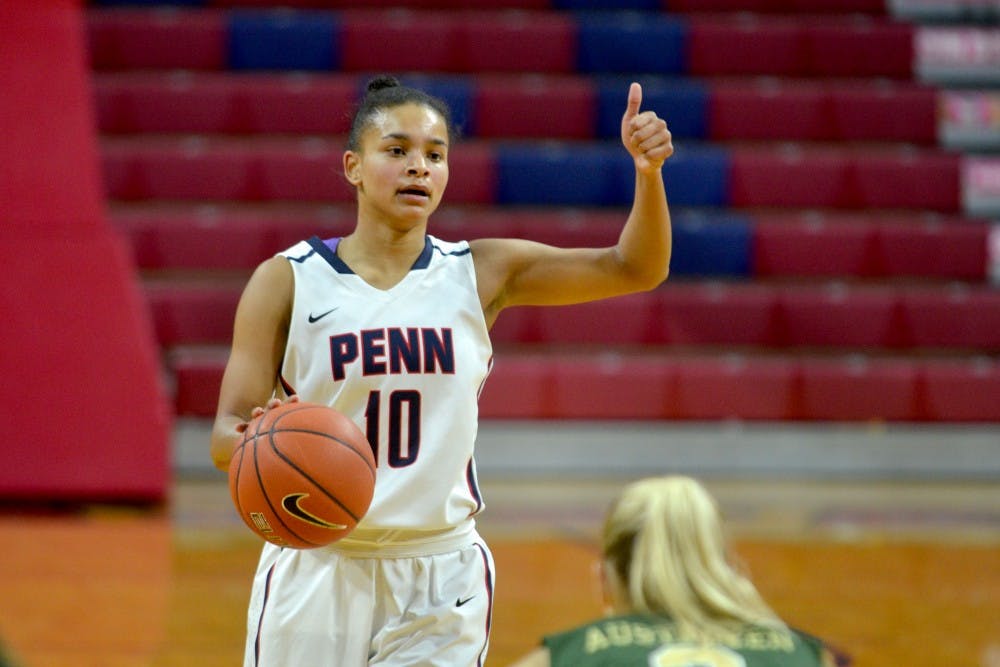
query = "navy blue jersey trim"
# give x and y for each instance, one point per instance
(328, 254)
(425, 257)
(303, 257)
(321, 248)
(454, 253)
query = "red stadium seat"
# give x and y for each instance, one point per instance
(803, 177)
(744, 110)
(518, 388)
(571, 228)
(736, 386)
(757, 44)
(958, 317)
(386, 4)
(962, 390)
(193, 236)
(545, 41)
(530, 386)
(917, 248)
(185, 101)
(535, 106)
(198, 378)
(872, 7)
(611, 386)
(858, 46)
(399, 40)
(160, 39)
(884, 110)
(716, 314)
(188, 168)
(745, 44)
(161, 102)
(859, 389)
(792, 176)
(454, 223)
(191, 168)
(264, 168)
(822, 110)
(294, 103)
(304, 170)
(903, 178)
(629, 319)
(812, 245)
(839, 316)
(201, 312)
(517, 326)
(472, 174)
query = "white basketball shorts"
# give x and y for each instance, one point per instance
(320, 608)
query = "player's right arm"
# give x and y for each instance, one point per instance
(260, 333)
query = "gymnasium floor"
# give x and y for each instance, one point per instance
(893, 568)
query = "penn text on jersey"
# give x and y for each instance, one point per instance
(393, 351)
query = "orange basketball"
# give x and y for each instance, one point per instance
(302, 476)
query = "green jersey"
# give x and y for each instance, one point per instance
(648, 641)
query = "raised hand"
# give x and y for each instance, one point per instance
(644, 134)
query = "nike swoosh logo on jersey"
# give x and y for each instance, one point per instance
(292, 504)
(459, 602)
(317, 318)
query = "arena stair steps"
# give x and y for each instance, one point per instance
(811, 195)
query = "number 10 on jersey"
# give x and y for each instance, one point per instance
(403, 426)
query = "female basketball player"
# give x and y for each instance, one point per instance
(673, 599)
(390, 326)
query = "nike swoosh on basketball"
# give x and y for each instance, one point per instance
(292, 504)
(317, 318)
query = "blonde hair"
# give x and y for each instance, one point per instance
(663, 538)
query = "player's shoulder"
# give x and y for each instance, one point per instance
(448, 248)
(301, 250)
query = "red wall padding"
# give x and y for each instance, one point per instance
(86, 415)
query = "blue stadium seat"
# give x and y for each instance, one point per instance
(283, 40)
(612, 42)
(149, 3)
(565, 173)
(683, 103)
(645, 5)
(695, 176)
(711, 246)
(455, 91)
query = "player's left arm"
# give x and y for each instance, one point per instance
(515, 272)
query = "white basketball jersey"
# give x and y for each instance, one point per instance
(406, 364)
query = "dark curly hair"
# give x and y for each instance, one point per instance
(386, 92)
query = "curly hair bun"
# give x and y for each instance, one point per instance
(381, 83)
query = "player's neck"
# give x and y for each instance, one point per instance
(382, 257)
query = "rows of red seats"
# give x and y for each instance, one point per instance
(476, 41)
(829, 156)
(523, 105)
(698, 387)
(856, 245)
(872, 7)
(269, 169)
(835, 315)
(259, 169)
(845, 177)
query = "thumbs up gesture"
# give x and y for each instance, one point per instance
(644, 134)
